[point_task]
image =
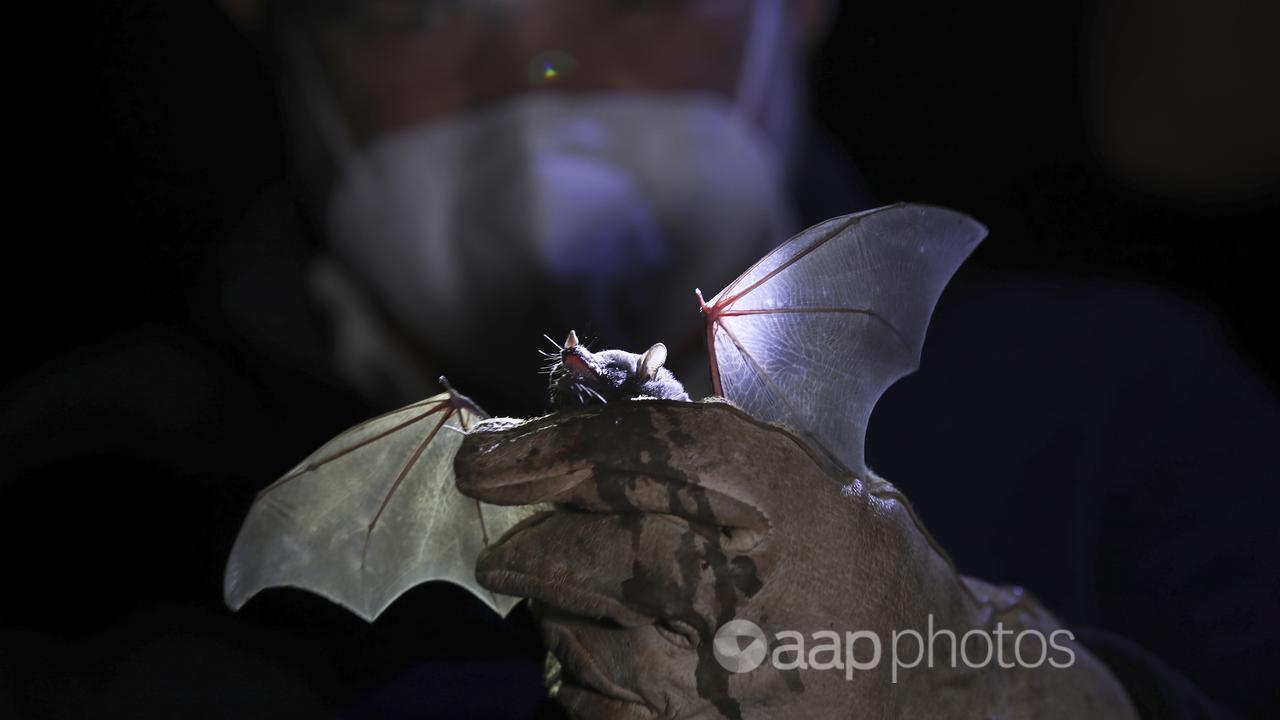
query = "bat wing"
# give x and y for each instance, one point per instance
(814, 333)
(372, 513)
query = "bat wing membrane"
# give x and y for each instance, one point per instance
(371, 514)
(814, 333)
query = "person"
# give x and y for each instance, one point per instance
(473, 174)
(483, 172)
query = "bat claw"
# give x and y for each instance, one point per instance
(702, 304)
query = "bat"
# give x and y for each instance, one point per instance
(579, 376)
(809, 337)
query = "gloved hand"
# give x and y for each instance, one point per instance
(672, 519)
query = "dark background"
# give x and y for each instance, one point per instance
(153, 128)
(146, 131)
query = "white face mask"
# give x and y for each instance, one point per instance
(599, 212)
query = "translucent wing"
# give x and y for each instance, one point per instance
(371, 514)
(813, 334)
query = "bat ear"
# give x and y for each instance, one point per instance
(651, 362)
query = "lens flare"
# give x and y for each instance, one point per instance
(550, 66)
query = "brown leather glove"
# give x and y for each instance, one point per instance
(672, 519)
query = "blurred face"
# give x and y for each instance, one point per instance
(495, 169)
(399, 63)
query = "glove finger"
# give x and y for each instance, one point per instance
(608, 671)
(709, 463)
(632, 569)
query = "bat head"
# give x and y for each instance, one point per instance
(581, 377)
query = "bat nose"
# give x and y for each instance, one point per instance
(575, 362)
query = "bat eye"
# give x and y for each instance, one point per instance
(651, 362)
(571, 342)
